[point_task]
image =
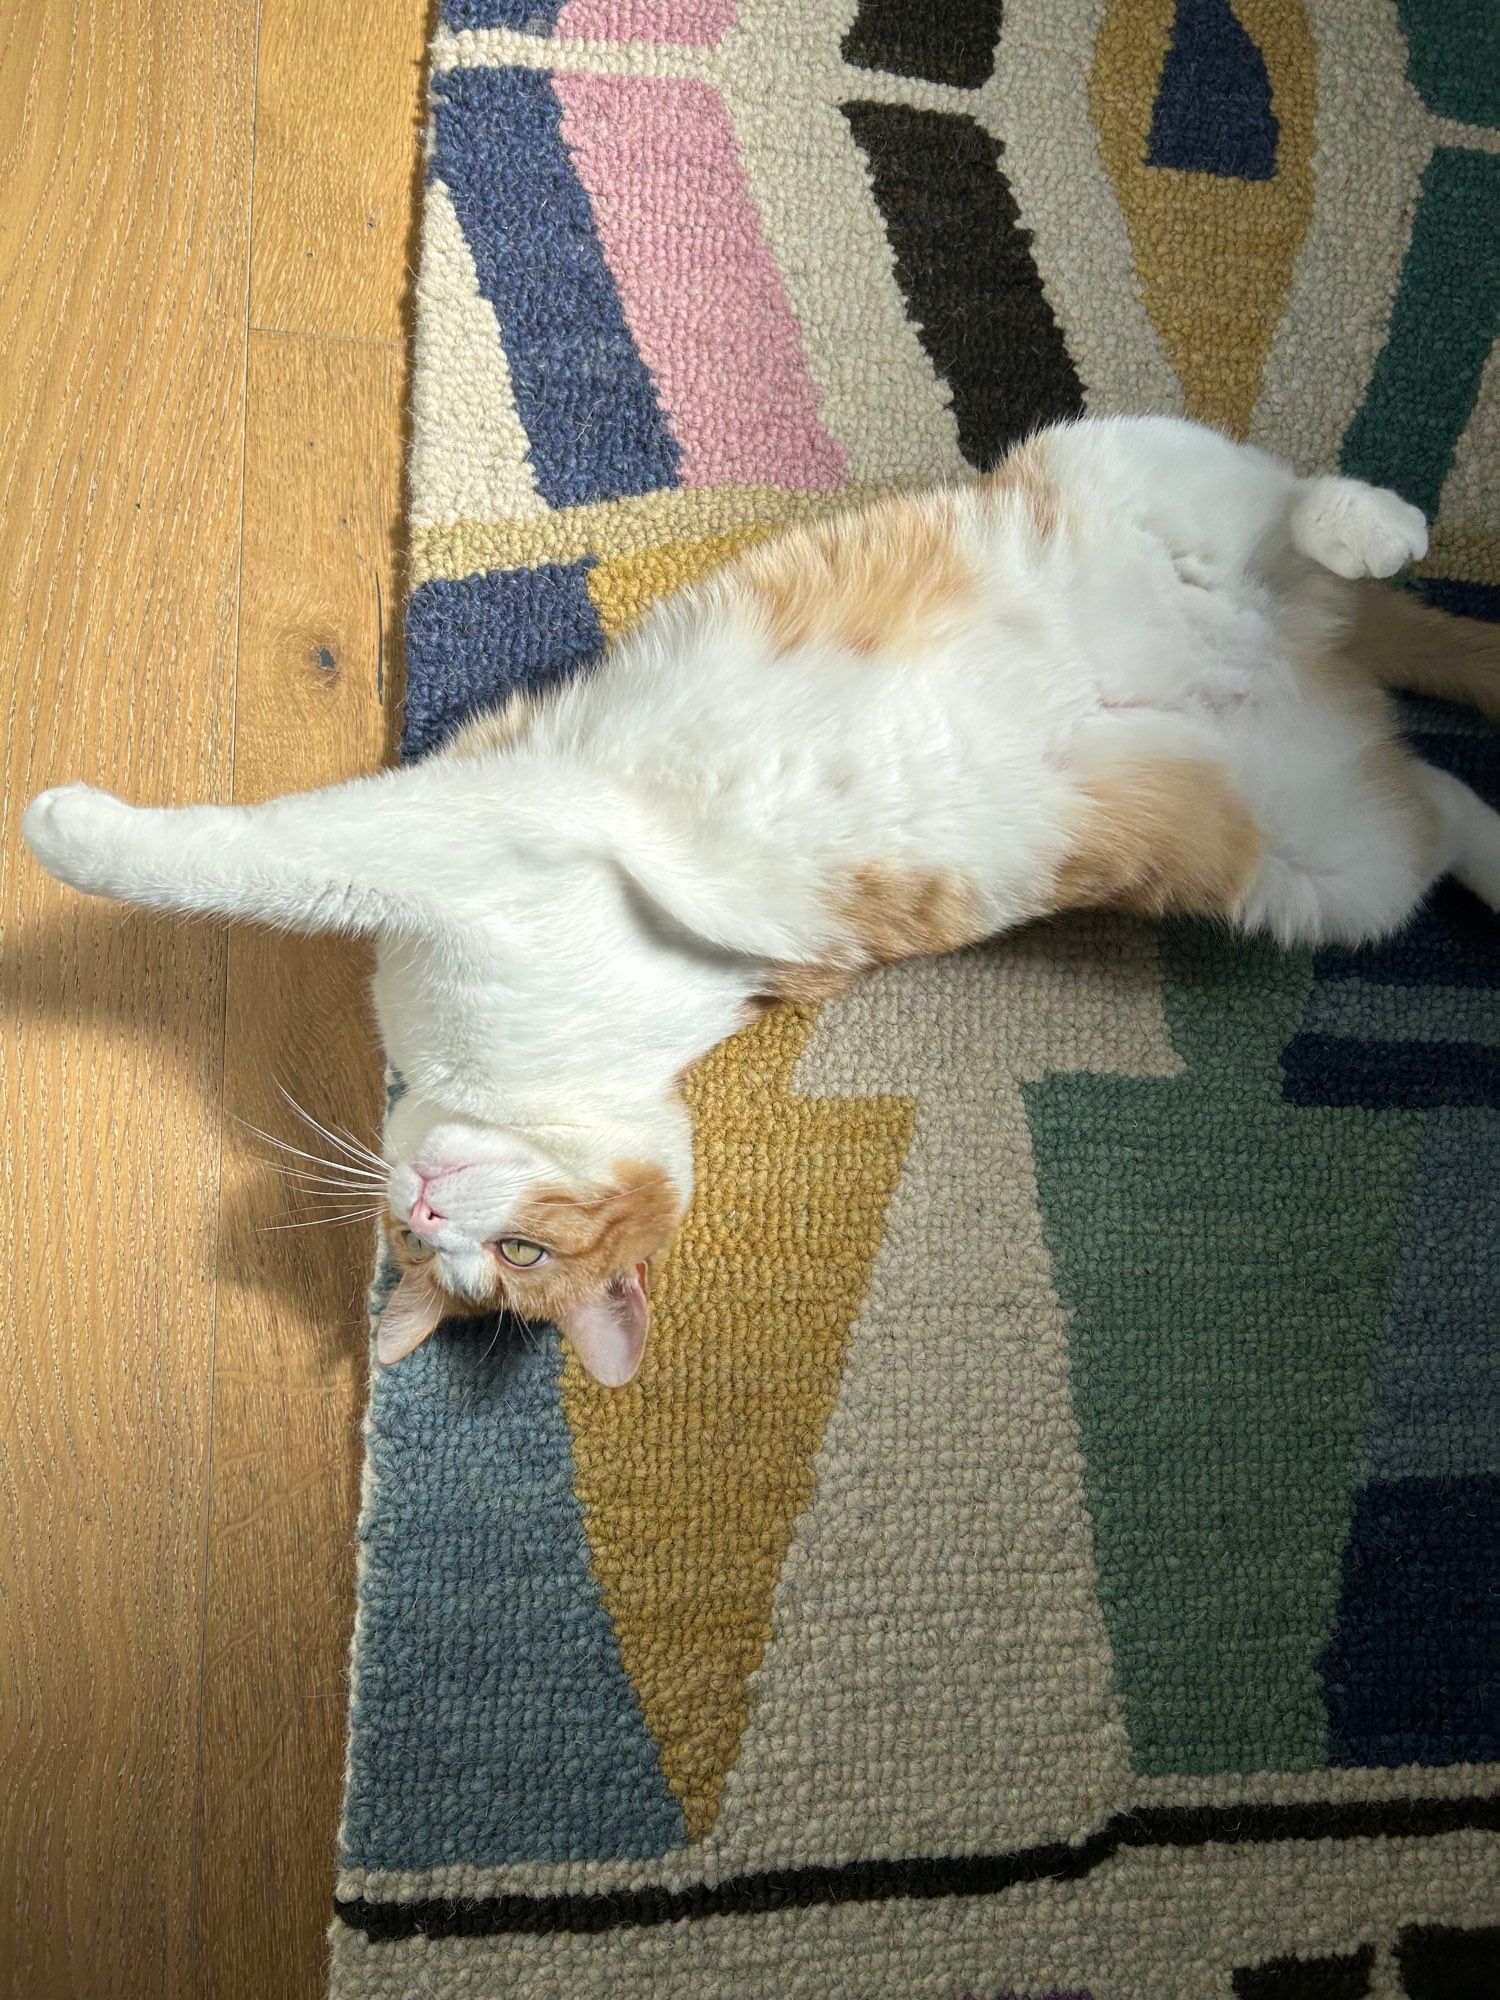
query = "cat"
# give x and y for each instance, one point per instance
(1135, 666)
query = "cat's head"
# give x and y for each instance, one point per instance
(554, 1228)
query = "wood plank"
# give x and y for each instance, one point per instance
(124, 242)
(336, 163)
(337, 166)
(320, 600)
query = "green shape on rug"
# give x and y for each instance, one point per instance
(1227, 1259)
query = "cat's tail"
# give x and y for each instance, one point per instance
(1407, 644)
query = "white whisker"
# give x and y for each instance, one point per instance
(346, 1142)
(329, 1191)
(329, 1180)
(360, 1148)
(285, 1146)
(323, 1221)
(345, 1184)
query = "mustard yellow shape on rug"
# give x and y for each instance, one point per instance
(1214, 255)
(624, 587)
(692, 1479)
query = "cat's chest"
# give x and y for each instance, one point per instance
(1167, 630)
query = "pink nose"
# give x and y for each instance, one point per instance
(423, 1214)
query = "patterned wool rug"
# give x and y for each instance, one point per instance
(1051, 1548)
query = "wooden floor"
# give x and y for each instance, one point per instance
(204, 247)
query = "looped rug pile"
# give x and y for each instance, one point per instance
(1051, 1548)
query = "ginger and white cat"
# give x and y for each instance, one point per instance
(1124, 669)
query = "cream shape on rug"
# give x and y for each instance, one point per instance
(468, 452)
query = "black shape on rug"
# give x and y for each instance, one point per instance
(1439, 1963)
(919, 1877)
(946, 41)
(1342, 1978)
(965, 269)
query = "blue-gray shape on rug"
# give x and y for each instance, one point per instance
(1438, 1390)
(472, 641)
(585, 398)
(492, 1719)
(531, 17)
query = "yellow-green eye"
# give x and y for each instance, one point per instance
(415, 1247)
(516, 1250)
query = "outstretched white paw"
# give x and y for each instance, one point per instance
(75, 832)
(1357, 530)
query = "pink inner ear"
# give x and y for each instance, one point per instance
(608, 1334)
(411, 1313)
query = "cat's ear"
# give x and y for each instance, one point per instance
(411, 1312)
(608, 1334)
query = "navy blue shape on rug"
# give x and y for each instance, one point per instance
(1213, 101)
(472, 641)
(585, 398)
(1409, 1676)
(1389, 1076)
(492, 1720)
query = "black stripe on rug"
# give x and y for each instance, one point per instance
(922, 1878)
(965, 269)
(947, 41)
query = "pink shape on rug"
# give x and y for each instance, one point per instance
(701, 291)
(698, 24)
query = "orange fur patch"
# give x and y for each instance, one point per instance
(805, 985)
(877, 582)
(1166, 837)
(595, 1235)
(1022, 482)
(884, 914)
(497, 729)
(895, 913)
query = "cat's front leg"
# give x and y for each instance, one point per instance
(338, 860)
(1357, 530)
(83, 836)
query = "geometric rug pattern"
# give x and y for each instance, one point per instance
(1052, 1545)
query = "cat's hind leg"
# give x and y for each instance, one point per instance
(1402, 643)
(1350, 859)
(1353, 842)
(1469, 840)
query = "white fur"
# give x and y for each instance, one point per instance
(564, 926)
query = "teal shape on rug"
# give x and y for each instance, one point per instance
(1443, 323)
(492, 1720)
(1453, 56)
(1226, 1259)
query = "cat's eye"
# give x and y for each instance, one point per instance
(516, 1250)
(415, 1247)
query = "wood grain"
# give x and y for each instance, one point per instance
(125, 132)
(179, 1454)
(322, 471)
(336, 166)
